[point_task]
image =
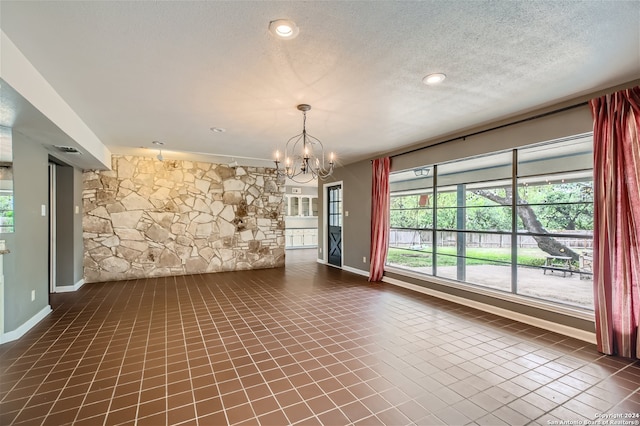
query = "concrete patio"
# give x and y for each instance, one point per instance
(552, 286)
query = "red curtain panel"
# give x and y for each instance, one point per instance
(380, 214)
(616, 259)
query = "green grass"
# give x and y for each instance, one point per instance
(479, 256)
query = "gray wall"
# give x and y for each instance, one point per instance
(356, 228)
(28, 263)
(26, 268)
(9, 274)
(65, 267)
(305, 190)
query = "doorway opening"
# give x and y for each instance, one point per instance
(334, 222)
(61, 227)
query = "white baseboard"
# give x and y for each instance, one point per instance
(68, 288)
(356, 271)
(347, 268)
(585, 336)
(28, 325)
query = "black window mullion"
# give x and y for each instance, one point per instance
(514, 222)
(434, 234)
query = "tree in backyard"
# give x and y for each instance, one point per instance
(532, 223)
(561, 207)
(6, 206)
(486, 215)
(403, 211)
(566, 206)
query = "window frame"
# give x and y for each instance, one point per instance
(515, 232)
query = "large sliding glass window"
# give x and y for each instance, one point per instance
(519, 221)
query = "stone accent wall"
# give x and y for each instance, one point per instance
(148, 218)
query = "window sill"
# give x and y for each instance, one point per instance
(579, 313)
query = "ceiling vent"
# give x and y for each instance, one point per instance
(67, 149)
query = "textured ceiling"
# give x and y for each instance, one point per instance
(169, 71)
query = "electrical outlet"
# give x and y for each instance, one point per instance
(33, 295)
(364, 259)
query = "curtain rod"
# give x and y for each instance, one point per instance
(524, 120)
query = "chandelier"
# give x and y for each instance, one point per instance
(304, 158)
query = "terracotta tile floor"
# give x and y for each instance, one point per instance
(305, 344)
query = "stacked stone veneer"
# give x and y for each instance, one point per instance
(149, 218)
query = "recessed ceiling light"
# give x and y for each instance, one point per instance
(218, 130)
(434, 78)
(158, 143)
(284, 28)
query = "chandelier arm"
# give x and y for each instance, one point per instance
(325, 173)
(291, 159)
(302, 178)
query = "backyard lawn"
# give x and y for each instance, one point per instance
(475, 256)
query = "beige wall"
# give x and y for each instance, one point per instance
(150, 218)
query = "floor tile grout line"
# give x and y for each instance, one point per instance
(44, 352)
(122, 363)
(569, 398)
(292, 337)
(324, 393)
(198, 287)
(154, 284)
(50, 372)
(273, 394)
(195, 408)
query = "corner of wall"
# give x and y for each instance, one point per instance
(26, 326)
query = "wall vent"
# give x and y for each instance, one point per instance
(67, 149)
